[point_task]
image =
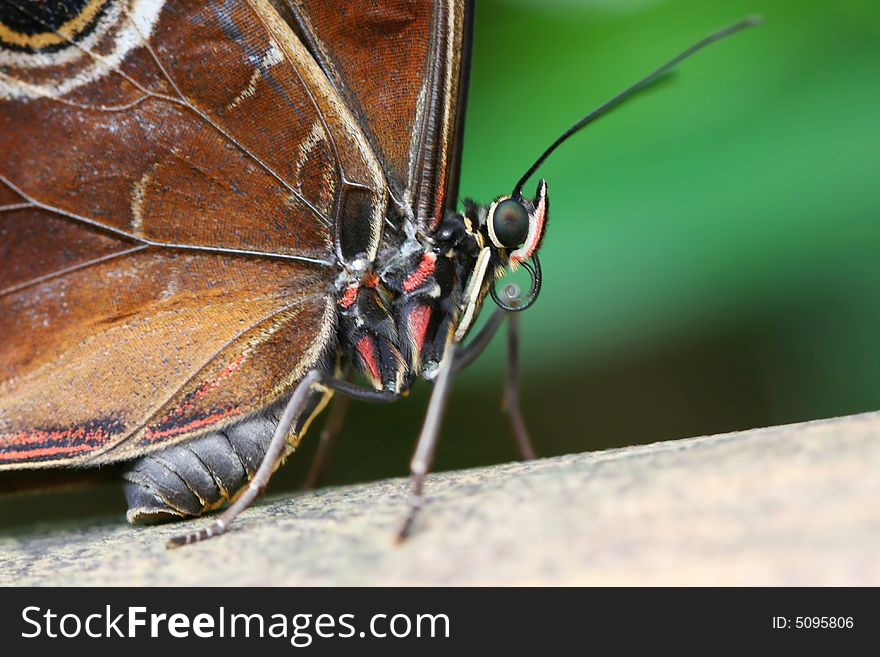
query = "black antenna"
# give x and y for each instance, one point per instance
(629, 92)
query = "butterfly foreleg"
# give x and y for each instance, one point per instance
(469, 352)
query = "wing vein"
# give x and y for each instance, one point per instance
(148, 242)
(97, 453)
(15, 206)
(181, 100)
(71, 269)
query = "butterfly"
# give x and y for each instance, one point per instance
(212, 213)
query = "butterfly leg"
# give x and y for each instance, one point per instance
(511, 391)
(329, 432)
(427, 443)
(469, 352)
(297, 403)
(510, 401)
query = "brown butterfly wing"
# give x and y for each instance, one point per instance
(170, 182)
(220, 113)
(401, 66)
(186, 341)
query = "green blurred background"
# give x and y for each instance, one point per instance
(710, 263)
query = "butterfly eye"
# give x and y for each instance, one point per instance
(510, 224)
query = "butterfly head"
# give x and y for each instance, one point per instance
(511, 230)
(490, 241)
(508, 233)
(515, 225)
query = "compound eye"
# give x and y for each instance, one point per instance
(510, 223)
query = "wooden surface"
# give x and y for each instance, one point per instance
(792, 505)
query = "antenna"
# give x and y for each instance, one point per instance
(633, 90)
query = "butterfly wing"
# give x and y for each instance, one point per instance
(401, 66)
(179, 343)
(176, 179)
(177, 115)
